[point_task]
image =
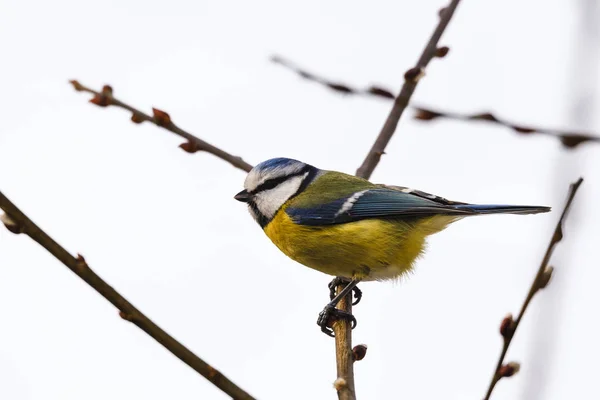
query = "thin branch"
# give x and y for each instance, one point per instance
(568, 138)
(160, 118)
(344, 384)
(17, 222)
(509, 326)
(411, 78)
(345, 357)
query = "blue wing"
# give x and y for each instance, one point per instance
(395, 203)
(374, 203)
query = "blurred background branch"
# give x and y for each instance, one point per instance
(568, 138)
(17, 222)
(509, 326)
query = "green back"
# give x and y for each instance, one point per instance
(330, 186)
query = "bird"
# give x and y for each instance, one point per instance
(345, 226)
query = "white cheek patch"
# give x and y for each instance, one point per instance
(269, 201)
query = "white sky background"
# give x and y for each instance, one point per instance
(161, 225)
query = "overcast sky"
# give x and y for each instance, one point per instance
(161, 225)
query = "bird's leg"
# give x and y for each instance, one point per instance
(330, 311)
(338, 280)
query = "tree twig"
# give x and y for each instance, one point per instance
(509, 326)
(17, 222)
(344, 383)
(105, 98)
(569, 139)
(411, 78)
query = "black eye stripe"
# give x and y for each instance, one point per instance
(272, 183)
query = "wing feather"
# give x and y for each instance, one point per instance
(373, 203)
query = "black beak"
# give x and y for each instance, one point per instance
(243, 196)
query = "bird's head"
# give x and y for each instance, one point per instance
(273, 182)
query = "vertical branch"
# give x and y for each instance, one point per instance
(344, 383)
(411, 78)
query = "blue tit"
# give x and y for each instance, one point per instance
(346, 226)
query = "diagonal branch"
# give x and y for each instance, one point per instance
(509, 326)
(568, 138)
(160, 118)
(411, 78)
(17, 222)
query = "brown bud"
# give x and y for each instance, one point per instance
(339, 384)
(377, 91)
(507, 326)
(137, 118)
(11, 224)
(441, 12)
(125, 316)
(160, 117)
(80, 262)
(340, 88)
(508, 370)
(545, 277)
(484, 117)
(76, 85)
(523, 129)
(425, 115)
(100, 100)
(414, 74)
(189, 147)
(359, 352)
(442, 52)
(107, 90)
(571, 141)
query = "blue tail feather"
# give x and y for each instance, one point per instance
(502, 209)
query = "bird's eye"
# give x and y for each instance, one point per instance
(270, 184)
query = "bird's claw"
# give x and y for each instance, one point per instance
(329, 315)
(337, 281)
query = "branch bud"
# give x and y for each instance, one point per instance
(484, 117)
(11, 224)
(161, 118)
(426, 115)
(377, 91)
(523, 129)
(107, 90)
(442, 52)
(507, 326)
(359, 352)
(545, 277)
(340, 88)
(100, 100)
(189, 147)
(137, 118)
(508, 370)
(571, 141)
(339, 384)
(414, 74)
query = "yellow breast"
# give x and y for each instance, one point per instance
(369, 249)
